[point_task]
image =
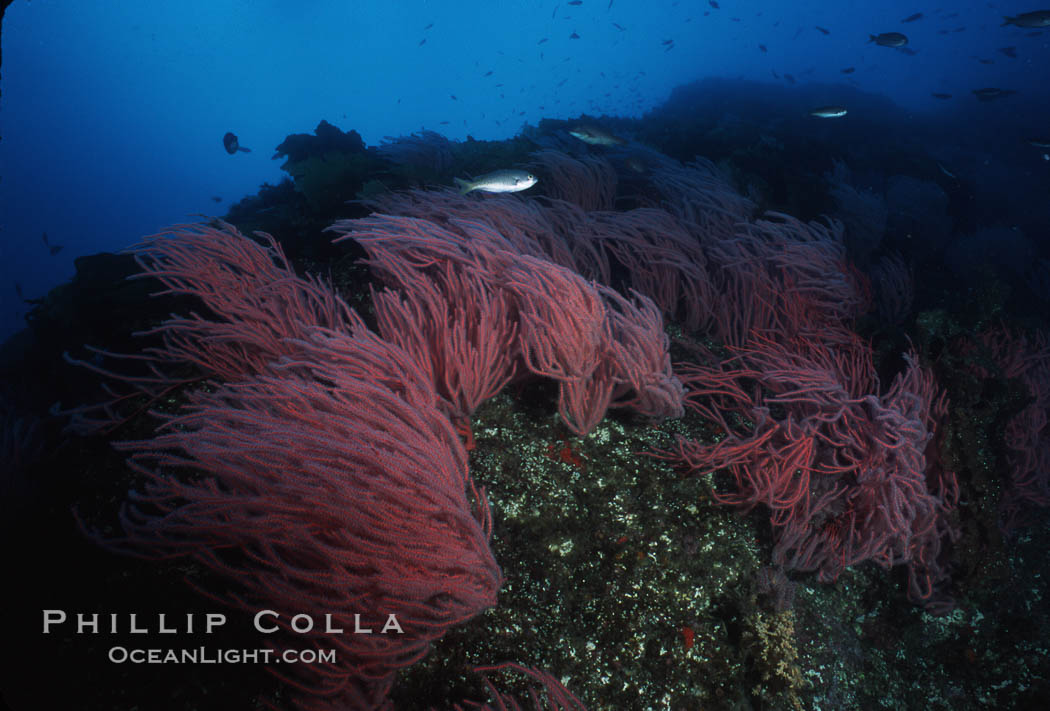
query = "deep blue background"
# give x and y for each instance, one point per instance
(113, 112)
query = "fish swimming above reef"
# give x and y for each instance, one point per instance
(828, 112)
(229, 142)
(913, 18)
(596, 136)
(889, 39)
(1036, 18)
(992, 93)
(498, 181)
(637, 164)
(940, 95)
(1038, 142)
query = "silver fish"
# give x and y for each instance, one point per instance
(828, 112)
(498, 181)
(596, 136)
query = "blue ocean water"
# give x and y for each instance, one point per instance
(922, 128)
(112, 114)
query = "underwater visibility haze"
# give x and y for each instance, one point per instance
(554, 354)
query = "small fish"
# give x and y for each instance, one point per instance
(986, 61)
(620, 27)
(542, 41)
(713, 4)
(428, 27)
(610, 6)
(822, 30)
(913, 18)
(499, 181)
(938, 95)
(574, 2)
(944, 170)
(762, 48)
(889, 39)
(636, 164)
(665, 42)
(229, 142)
(488, 73)
(791, 79)
(848, 70)
(992, 93)
(1010, 52)
(574, 36)
(828, 112)
(52, 249)
(422, 42)
(1038, 142)
(908, 51)
(595, 136)
(669, 47)
(18, 290)
(1037, 18)
(453, 96)
(216, 198)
